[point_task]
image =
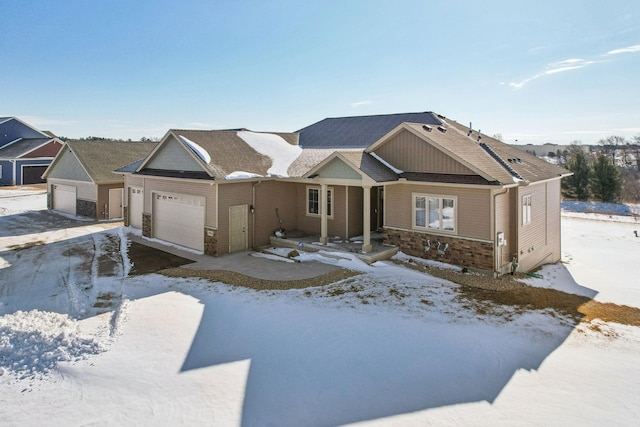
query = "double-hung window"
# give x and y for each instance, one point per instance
(313, 201)
(526, 209)
(434, 212)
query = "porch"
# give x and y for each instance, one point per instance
(311, 242)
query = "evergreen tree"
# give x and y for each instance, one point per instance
(606, 182)
(577, 185)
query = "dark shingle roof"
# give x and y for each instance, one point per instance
(101, 158)
(21, 147)
(357, 132)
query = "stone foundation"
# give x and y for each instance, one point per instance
(462, 252)
(86, 208)
(146, 225)
(125, 213)
(211, 241)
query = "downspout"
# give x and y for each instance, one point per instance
(497, 257)
(252, 213)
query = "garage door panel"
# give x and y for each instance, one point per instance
(179, 219)
(136, 201)
(64, 199)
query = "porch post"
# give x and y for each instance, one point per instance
(366, 220)
(324, 239)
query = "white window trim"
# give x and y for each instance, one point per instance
(526, 209)
(329, 190)
(426, 227)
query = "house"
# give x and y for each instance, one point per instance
(434, 188)
(80, 179)
(25, 152)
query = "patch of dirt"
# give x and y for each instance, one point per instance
(145, 259)
(233, 278)
(26, 245)
(488, 292)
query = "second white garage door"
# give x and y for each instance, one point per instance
(179, 218)
(64, 199)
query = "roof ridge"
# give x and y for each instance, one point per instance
(381, 115)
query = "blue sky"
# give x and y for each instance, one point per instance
(543, 71)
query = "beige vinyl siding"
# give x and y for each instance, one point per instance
(539, 241)
(103, 199)
(473, 208)
(205, 189)
(68, 167)
(135, 181)
(173, 156)
(232, 194)
(336, 226)
(269, 196)
(355, 196)
(84, 190)
(409, 153)
(503, 216)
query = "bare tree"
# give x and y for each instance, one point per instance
(611, 144)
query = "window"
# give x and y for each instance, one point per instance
(526, 209)
(313, 201)
(434, 212)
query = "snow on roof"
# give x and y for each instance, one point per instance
(200, 152)
(281, 153)
(242, 175)
(387, 164)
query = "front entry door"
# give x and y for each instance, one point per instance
(238, 224)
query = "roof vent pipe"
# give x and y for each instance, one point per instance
(442, 129)
(479, 136)
(427, 128)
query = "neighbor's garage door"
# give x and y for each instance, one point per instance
(33, 174)
(64, 198)
(135, 207)
(179, 218)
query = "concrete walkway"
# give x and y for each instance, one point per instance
(244, 263)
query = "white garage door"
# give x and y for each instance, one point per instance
(179, 218)
(135, 207)
(64, 198)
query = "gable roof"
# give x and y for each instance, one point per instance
(100, 158)
(359, 131)
(13, 129)
(488, 158)
(228, 150)
(23, 147)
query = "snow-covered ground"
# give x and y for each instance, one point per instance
(391, 346)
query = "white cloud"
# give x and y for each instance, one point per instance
(628, 49)
(554, 68)
(360, 104)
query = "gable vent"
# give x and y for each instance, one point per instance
(442, 129)
(499, 159)
(427, 128)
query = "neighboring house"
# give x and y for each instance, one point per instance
(25, 152)
(435, 188)
(80, 180)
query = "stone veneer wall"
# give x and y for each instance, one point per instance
(211, 242)
(125, 213)
(86, 208)
(146, 225)
(467, 253)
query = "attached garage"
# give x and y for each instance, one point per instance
(64, 198)
(136, 202)
(179, 218)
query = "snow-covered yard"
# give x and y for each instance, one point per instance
(391, 346)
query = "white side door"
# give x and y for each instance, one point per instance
(115, 203)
